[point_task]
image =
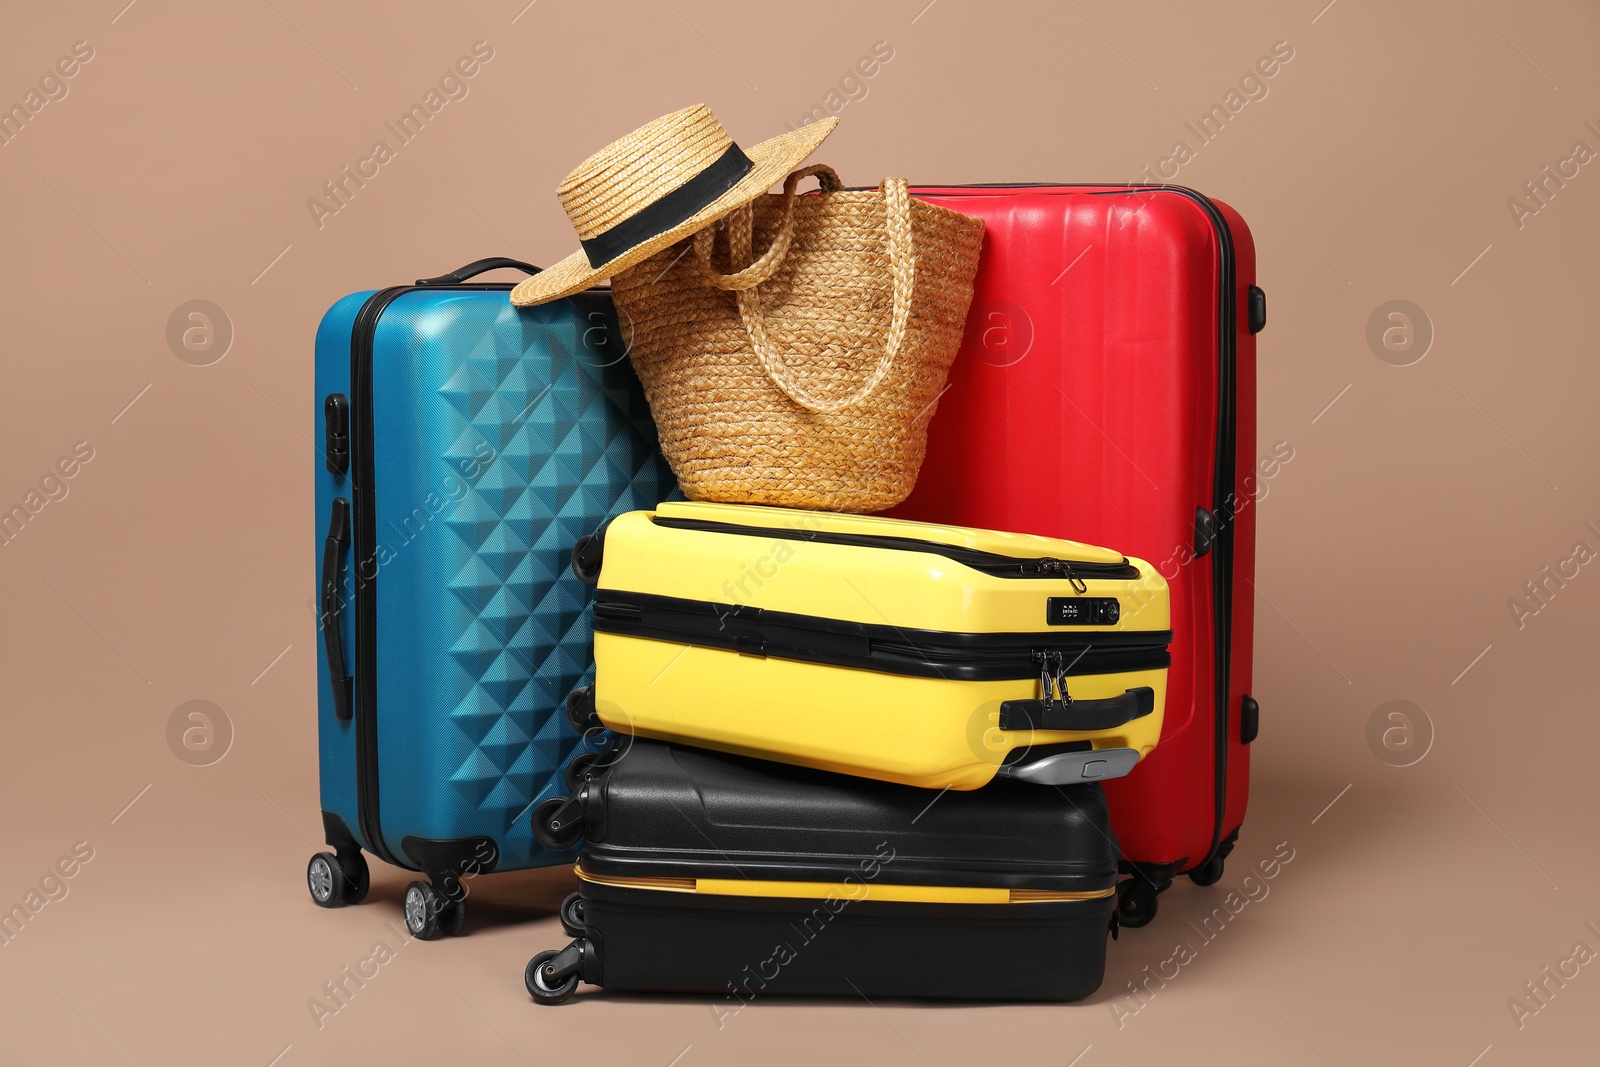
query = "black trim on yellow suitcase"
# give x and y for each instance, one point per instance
(967, 657)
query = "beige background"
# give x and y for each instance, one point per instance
(178, 567)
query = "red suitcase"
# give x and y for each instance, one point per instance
(1106, 391)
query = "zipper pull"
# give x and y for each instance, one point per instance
(1050, 566)
(1078, 584)
(1063, 698)
(1053, 681)
(1046, 679)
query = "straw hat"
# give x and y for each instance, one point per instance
(656, 186)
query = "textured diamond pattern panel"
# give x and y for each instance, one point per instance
(572, 444)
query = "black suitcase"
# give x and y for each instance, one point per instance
(706, 872)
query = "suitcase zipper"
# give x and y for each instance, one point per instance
(363, 547)
(1064, 568)
(994, 563)
(810, 889)
(877, 647)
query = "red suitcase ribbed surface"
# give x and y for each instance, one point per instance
(1107, 347)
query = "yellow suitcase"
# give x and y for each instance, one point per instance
(934, 656)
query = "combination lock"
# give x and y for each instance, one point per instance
(1082, 611)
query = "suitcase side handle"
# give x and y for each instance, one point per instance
(332, 568)
(1106, 713)
(477, 267)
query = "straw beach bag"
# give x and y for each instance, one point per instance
(806, 377)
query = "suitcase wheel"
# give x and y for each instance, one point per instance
(572, 915)
(1208, 873)
(552, 975)
(1137, 902)
(581, 711)
(337, 880)
(453, 919)
(429, 914)
(586, 555)
(558, 823)
(582, 770)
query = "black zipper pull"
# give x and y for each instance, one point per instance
(1049, 566)
(1052, 680)
(1078, 584)
(1063, 698)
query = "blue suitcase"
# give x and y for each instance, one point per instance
(465, 446)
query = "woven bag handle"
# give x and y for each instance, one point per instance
(902, 270)
(740, 222)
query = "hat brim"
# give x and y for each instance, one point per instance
(772, 160)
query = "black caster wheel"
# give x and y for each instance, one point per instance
(541, 987)
(581, 712)
(423, 907)
(586, 558)
(1136, 903)
(572, 915)
(326, 880)
(357, 879)
(558, 823)
(582, 769)
(1208, 873)
(453, 918)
